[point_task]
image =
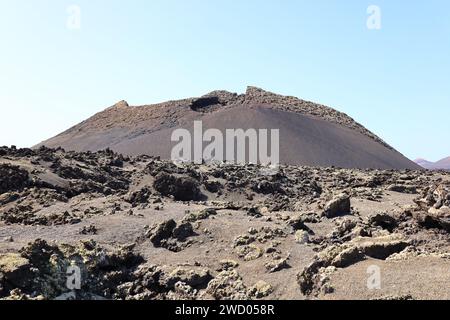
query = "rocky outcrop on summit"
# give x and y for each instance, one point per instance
(310, 134)
(293, 104)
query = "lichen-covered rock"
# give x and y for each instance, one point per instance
(213, 186)
(383, 220)
(41, 270)
(181, 188)
(171, 236)
(260, 290)
(228, 285)
(193, 278)
(299, 223)
(249, 252)
(15, 271)
(227, 264)
(139, 197)
(434, 208)
(339, 206)
(302, 237)
(402, 188)
(278, 264)
(347, 254)
(201, 215)
(12, 178)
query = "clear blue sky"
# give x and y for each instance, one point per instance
(395, 81)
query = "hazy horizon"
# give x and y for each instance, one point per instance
(392, 80)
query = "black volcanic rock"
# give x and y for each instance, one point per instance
(181, 188)
(12, 178)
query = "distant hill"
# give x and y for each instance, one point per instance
(310, 134)
(443, 164)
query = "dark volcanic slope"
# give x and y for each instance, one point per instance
(310, 134)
